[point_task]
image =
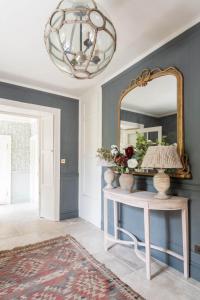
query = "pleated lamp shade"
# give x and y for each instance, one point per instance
(162, 157)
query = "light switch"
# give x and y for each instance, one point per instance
(63, 161)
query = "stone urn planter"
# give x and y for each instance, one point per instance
(109, 177)
(126, 182)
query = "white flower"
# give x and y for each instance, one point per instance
(132, 163)
(114, 151)
(114, 147)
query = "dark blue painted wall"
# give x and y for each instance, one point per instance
(134, 117)
(69, 139)
(184, 54)
(169, 126)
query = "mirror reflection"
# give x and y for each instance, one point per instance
(148, 114)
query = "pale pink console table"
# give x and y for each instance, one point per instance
(146, 201)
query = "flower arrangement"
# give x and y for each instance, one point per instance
(105, 157)
(130, 159)
(125, 162)
(122, 163)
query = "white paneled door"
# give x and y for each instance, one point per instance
(47, 183)
(5, 169)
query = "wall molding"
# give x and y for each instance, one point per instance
(124, 108)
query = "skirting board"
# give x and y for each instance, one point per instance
(69, 215)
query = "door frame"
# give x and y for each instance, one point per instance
(8, 140)
(38, 111)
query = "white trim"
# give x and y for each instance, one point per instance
(5, 140)
(4, 116)
(151, 50)
(39, 88)
(130, 125)
(147, 114)
(57, 140)
(167, 115)
(79, 156)
(138, 112)
(39, 111)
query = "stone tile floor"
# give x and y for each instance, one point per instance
(19, 225)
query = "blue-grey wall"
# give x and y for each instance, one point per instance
(134, 117)
(69, 139)
(184, 54)
(169, 128)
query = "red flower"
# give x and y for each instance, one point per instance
(129, 152)
(121, 161)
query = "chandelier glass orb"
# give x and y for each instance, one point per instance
(80, 39)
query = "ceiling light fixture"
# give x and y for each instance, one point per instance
(80, 39)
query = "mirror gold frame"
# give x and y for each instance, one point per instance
(142, 80)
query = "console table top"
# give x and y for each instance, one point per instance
(146, 199)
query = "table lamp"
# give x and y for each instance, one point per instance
(161, 158)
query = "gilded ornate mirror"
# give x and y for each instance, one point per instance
(151, 112)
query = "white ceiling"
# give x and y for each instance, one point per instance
(141, 27)
(158, 98)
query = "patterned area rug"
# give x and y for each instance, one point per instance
(55, 270)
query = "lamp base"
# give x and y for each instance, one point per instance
(161, 183)
(162, 196)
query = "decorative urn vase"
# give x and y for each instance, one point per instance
(126, 182)
(109, 177)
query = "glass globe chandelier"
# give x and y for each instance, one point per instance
(80, 39)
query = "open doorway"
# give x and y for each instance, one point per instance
(30, 168)
(19, 163)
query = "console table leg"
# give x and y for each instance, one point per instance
(147, 242)
(185, 241)
(105, 223)
(115, 219)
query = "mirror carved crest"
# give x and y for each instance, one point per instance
(151, 108)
